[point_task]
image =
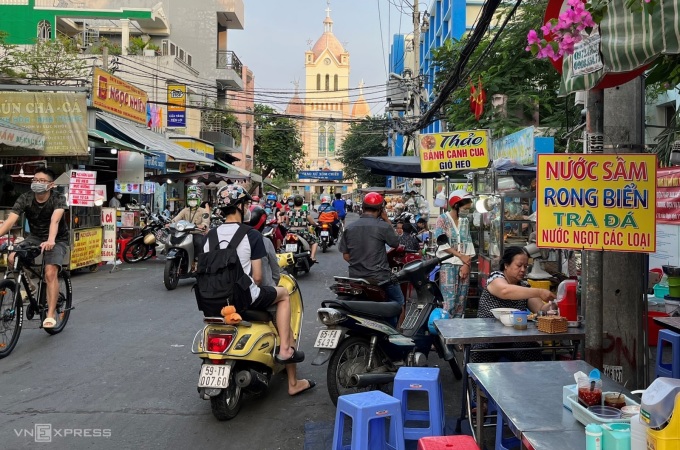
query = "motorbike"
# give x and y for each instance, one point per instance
(143, 246)
(238, 360)
(299, 247)
(180, 257)
(360, 342)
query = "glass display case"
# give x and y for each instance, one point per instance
(506, 200)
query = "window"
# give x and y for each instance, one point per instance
(318, 81)
(44, 30)
(322, 139)
(331, 141)
(335, 80)
(328, 82)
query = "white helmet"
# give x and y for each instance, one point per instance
(325, 199)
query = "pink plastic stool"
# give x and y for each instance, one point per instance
(447, 443)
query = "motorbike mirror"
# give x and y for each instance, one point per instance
(442, 239)
(206, 216)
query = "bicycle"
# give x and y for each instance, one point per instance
(11, 301)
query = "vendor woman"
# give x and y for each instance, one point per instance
(507, 289)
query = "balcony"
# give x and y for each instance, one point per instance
(222, 141)
(229, 70)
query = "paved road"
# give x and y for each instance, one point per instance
(123, 368)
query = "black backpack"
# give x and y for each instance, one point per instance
(220, 279)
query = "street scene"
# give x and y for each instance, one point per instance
(340, 224)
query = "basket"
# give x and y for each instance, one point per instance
(552, 324)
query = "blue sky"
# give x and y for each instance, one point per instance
(274, 40)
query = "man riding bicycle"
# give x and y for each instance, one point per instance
(44, 210)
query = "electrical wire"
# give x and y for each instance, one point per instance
(382, 39)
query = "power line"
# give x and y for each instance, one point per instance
(382, 39)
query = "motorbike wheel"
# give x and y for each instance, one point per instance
(171, 274)
(226, 405)
(349, 358)
(324, 246)
(135, 251)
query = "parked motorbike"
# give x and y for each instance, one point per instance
(360, 342)
(239, 359)
(180, 257)
(299, 247)
(143, 246)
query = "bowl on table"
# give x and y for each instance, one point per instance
(498, 312)
(507, 319)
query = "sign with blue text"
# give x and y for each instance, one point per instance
(320, 174)
(155, 162)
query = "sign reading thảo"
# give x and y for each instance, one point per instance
(459, 150)
(597, 202)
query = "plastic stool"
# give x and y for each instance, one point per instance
(426, 379)
(447, 443)
(501, 443)
(671, 370)
(368, 411)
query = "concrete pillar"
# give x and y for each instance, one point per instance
(124, 35)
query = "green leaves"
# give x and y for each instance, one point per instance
(364, 138)
(51, 62)
(278, 148)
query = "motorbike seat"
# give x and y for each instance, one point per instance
(380, 310)
(348, 279)
(256, 315)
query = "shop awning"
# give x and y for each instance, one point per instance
(199, 176)
(153, 141)
(380, 190)
(401, 166)
(232, 168)
(14, 136)
(114, 142)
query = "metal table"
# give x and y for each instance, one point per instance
(529, 395)
(466, 332)
(551, 440)
(672, 323)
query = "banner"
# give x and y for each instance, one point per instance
(668, 195)
(518, 146)
(81, 187)
(86, 249)
(177, 100)
(60, 118)
(110, 93)
(320, 175)
(459, 150)
(109, 240)
(126, 188)
(597, 202)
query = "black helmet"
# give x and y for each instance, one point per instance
(258, 217)
(298, 200)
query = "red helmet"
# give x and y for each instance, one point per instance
(373, 199)
(256, 198)
(457, 196)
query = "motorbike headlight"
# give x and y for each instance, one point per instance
(330, 316)
(180, 226)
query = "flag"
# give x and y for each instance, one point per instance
(477, 99)
(148, 115)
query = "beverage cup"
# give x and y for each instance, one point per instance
(520, 319)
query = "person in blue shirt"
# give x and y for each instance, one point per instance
(340, 207)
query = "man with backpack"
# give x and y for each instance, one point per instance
(230, 270)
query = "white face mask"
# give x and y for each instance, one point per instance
(39, 188)
(463, 212)
(192, 203)
(246, 215)
(119, 196)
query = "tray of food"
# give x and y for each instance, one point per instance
(609, 412)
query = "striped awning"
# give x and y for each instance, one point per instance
(630, 40)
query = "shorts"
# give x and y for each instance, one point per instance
(265, 299)
(56, 256)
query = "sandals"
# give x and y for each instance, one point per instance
(311, 382)
(297, 357)
(49, 322)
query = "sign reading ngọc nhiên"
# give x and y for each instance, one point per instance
(597, 202)
(87, 247)
(112, 94)
(109, 239)
(460, 150)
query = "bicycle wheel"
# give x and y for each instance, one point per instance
(11, 316)
(64, 303)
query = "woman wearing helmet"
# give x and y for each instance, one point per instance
(454, 274)
(298, 222)
(198, 216)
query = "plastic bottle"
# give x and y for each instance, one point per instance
(664, 281)
(593, 437)
(638, 434)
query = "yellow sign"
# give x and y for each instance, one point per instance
(86, 249)
(177, 97)
(597, 202)
(201, 148)
(119, 97)
(60, 117)
(459, 150)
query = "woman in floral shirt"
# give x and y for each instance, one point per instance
(454, 274)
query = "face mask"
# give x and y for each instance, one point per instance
(39, 188)
(463, 212)
(291, 204)
(192, 203)
(119, 196)
(246, 215)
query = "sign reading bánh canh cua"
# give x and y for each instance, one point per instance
(61, 118)
(459, 150)
(110, 93)
(597, 202)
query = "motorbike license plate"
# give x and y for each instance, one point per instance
(324, 233)
(327, 339)
(291, 248)
(214, 376)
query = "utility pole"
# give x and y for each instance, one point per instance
(416, 55)
(105, 58)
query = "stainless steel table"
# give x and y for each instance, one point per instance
(672, 323)
(466, 332)
(529, 395)
(552, 440)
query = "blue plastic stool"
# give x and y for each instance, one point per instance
(504, 443)
(410, 379)
(368, 411)
(671, 370)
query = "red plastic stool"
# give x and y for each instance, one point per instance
(447, 443)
